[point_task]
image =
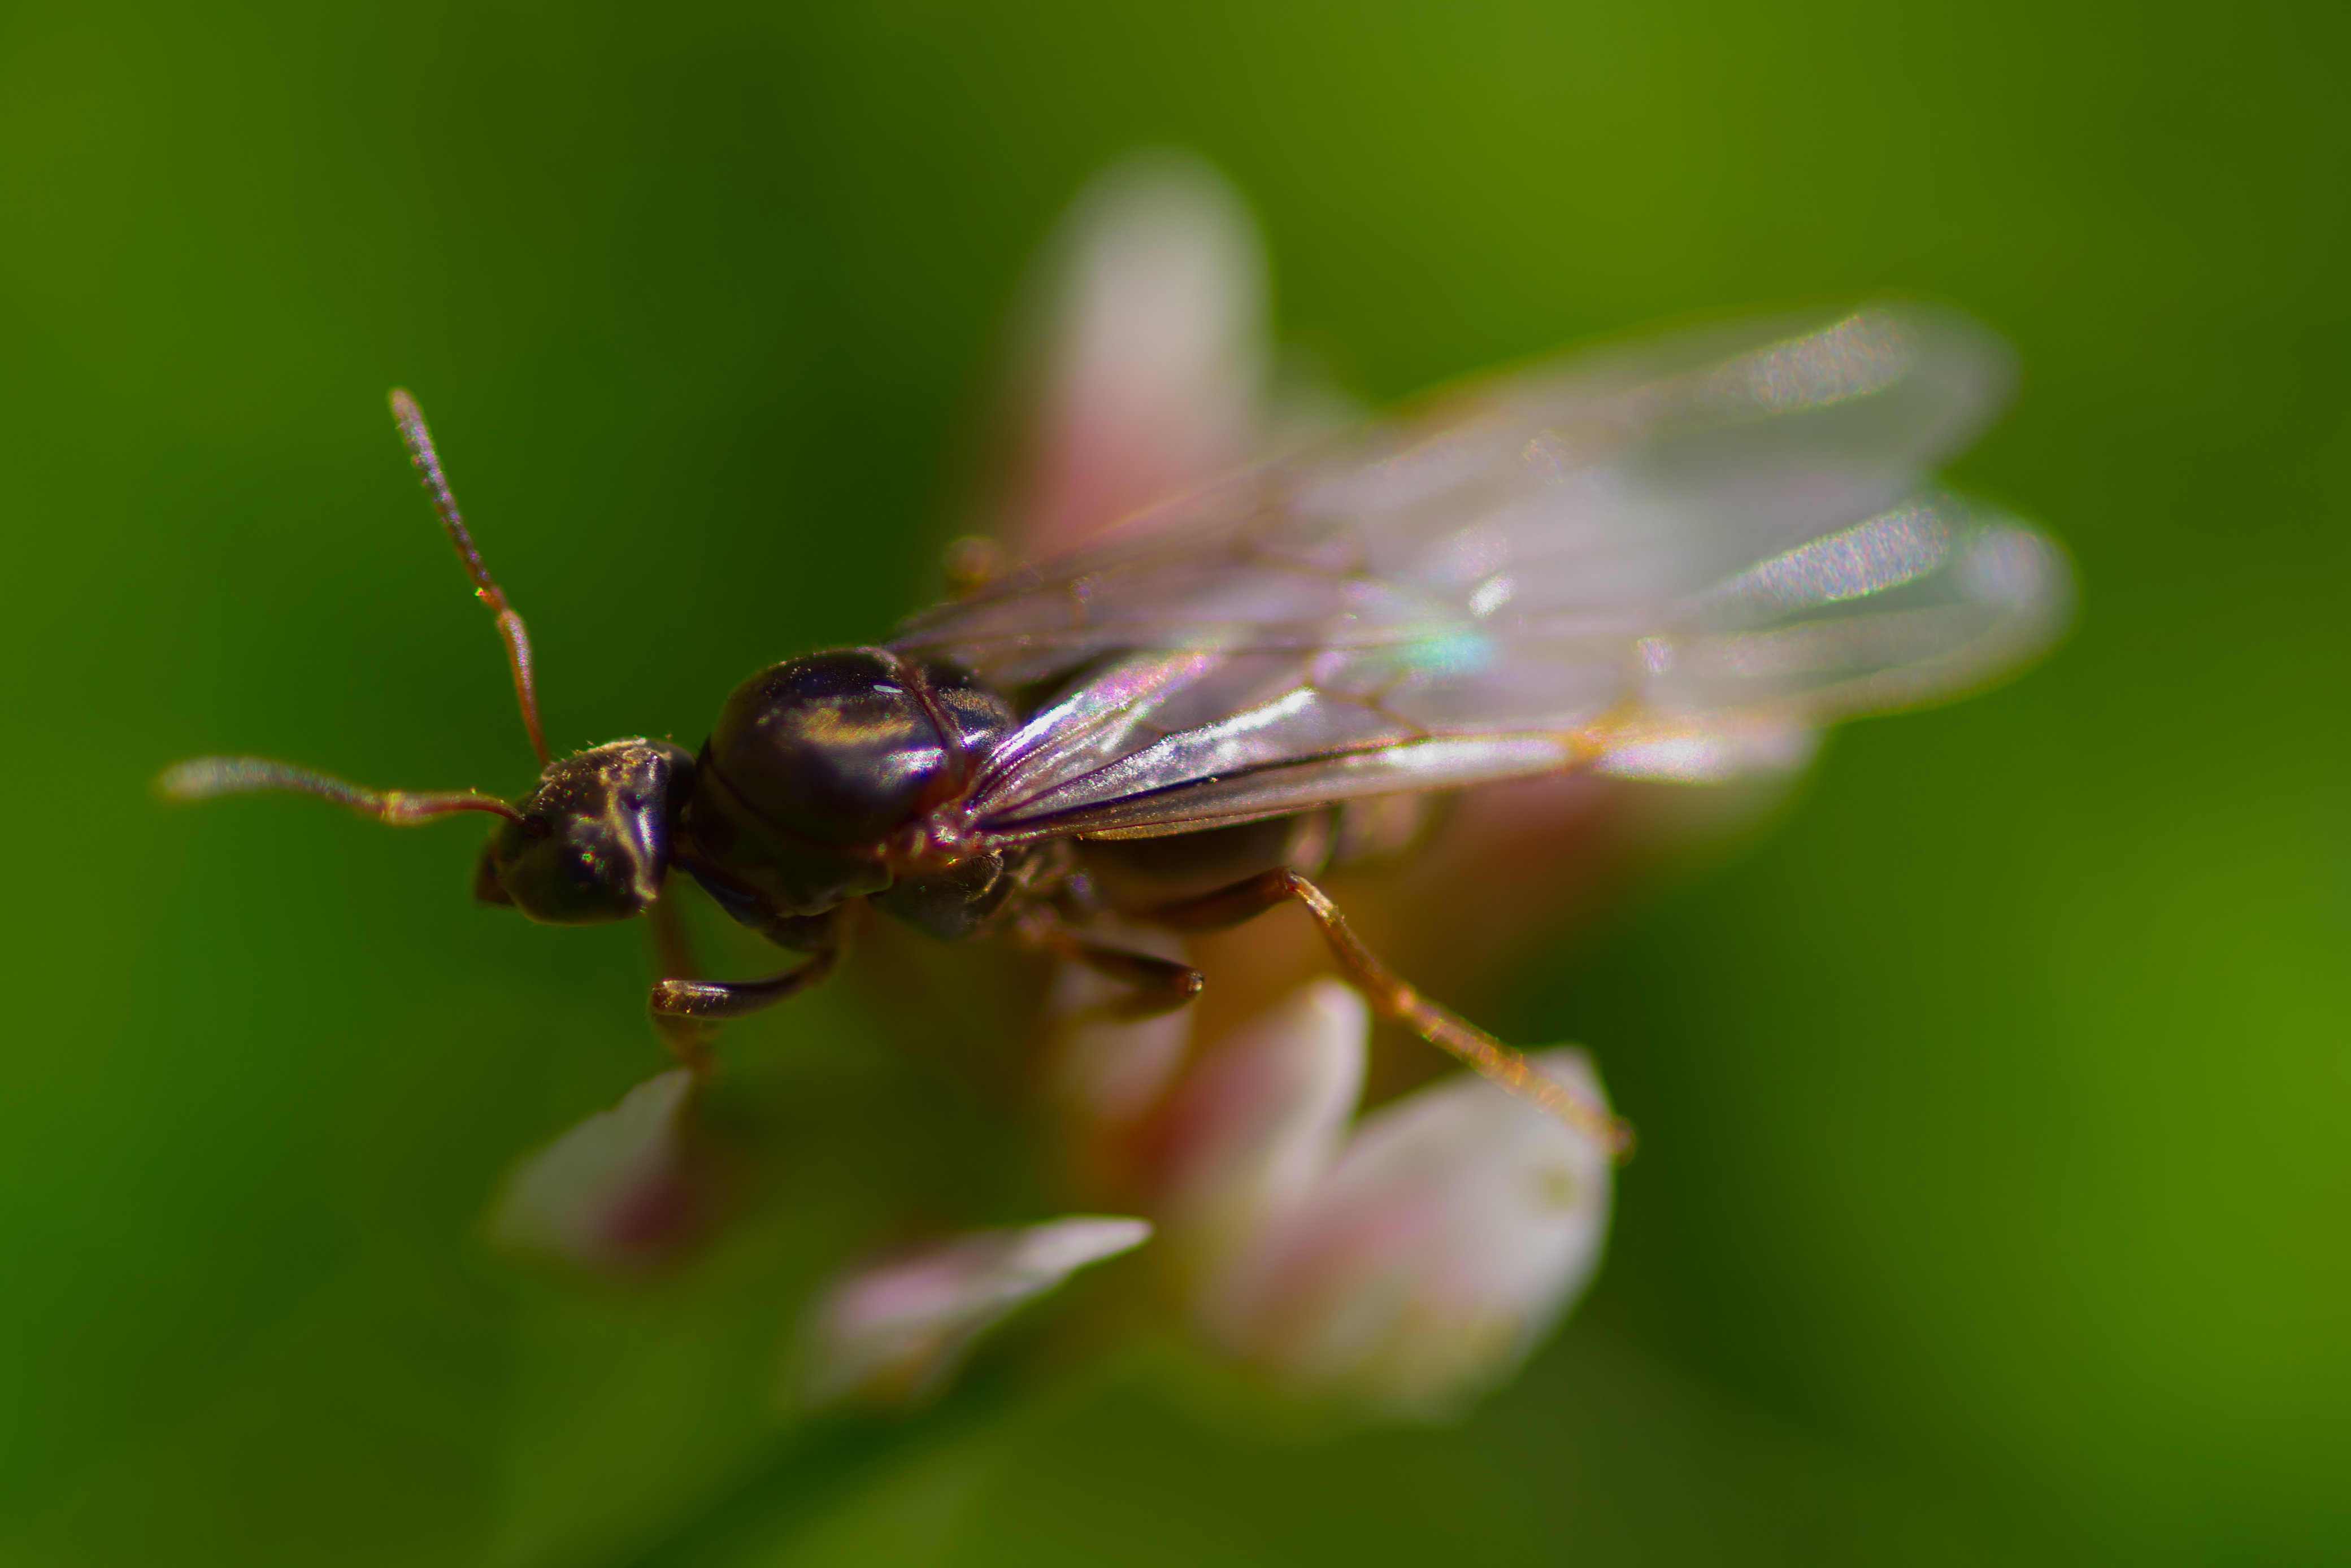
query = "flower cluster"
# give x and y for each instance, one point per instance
(1395, 1262)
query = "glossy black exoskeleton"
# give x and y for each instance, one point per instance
(821, 783)
(816, 784)
(814, 789)
(593, 842)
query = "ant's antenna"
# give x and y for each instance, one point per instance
(203, 778)
(485, 587)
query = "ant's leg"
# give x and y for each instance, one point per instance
(705, 1001)
(1397, 1000)
(684, 1001)
(688, 1039)
(687, 1002)
(1156, 985)
(1244, 901)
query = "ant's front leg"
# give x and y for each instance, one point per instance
(717, 1000)
(687, 1008)
(674, 960)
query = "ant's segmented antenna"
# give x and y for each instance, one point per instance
(485, 587)
(206, 778)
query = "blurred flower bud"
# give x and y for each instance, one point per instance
(895, 1330)
(1152, 346)
(611, 1194)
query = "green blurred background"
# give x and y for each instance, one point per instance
(1992, 1201)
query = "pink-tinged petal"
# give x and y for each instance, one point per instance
(1154, 349)
(895, 1330)
(1256, 1122)
(1450, 1235)
(611, 1194)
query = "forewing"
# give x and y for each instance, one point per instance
(1677, 560)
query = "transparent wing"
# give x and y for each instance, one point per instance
(1675, 561)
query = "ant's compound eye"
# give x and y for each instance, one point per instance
(593, 844)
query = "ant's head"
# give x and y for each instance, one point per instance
(590, 844)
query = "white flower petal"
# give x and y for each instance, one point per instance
(1257, 1121)
(1451, 1233)
(609, 1193)
(1155, 346)
(895, 1330)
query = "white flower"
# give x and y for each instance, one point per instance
(895, 1330)
(1450, 1235)
(1397, 1264)
(1256, 1122)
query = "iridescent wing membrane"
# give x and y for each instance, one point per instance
(1677, 561)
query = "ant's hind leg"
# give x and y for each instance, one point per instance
(1396, 999)
(1227, 907)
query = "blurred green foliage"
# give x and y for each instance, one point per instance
(1991, 1206)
